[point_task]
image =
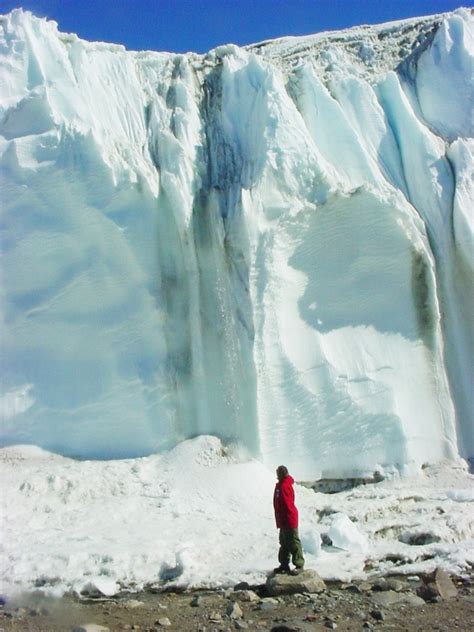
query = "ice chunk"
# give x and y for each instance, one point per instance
(346, 535)
(100, 586)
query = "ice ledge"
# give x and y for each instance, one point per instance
(357, 40)
(368, 49)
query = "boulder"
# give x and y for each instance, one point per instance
(215, 617)
(134, 603)
(394, 584)
(90, 627)
(378, 615)
(444, 584)
(244, 595)
(196, 601)
(392, 598)
(428, 592)
(164, 622)
(388, 584)
(305, 582)
(437, 585)
(234, 611)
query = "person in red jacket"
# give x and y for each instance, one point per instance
(286, 516)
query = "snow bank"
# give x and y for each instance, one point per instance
(202, 515)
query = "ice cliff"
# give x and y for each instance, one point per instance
(271, 244)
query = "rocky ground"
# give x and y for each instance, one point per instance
(416, 603)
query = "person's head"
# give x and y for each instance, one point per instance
(281, 472)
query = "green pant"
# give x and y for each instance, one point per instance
(290, 545)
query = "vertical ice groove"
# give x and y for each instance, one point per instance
(444, 65)
(273, 245)
(227, 324)
(358, 99)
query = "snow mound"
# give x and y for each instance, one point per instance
(202, 516)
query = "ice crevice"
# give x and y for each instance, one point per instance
(269, 244)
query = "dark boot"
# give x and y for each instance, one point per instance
(281, 570)
(296, 571)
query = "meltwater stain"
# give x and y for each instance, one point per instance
(201, 223)
(421, 293)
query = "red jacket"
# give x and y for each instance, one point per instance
(286, 514)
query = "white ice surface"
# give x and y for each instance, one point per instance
(202, 515)
(345, 535)
(270, 244)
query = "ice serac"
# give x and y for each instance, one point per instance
(271, 244)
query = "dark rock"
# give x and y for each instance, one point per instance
(196, 601)
(332, 625)
(419, 539)
(428, 592)
(242, 586)
(306, 582)
(336, 485)
(378, 615)
(241, 625)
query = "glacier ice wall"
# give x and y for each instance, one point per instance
(271, 244)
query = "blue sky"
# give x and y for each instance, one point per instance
(199, 25)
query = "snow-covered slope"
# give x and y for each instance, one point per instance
(199, 515)
(271, 244)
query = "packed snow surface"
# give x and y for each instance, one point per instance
(270, 244)
(201, 515)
